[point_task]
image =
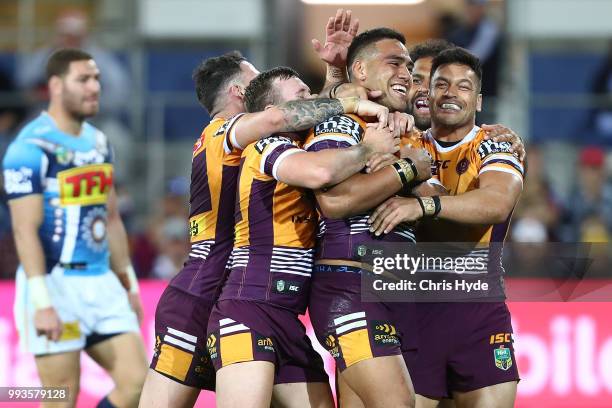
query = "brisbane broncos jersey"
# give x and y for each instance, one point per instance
(338, 239)
(273, 251)
(74, 175)
(214, 173)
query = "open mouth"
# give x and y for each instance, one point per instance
(449, 107)
(399, 89)
(421, 105)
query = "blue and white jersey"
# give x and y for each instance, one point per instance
(74, 176)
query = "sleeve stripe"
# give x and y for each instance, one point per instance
(337, 137)
(503, 170)
(518, 168)
(503, 156)
(229, 143)
(282, 157)
(271, 154)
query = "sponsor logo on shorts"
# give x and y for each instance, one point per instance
(157, 346)
(211, 345)
(384, 333)
(265, 344)
(331, 344)
(71, 331)
(286, 287)
(503, 358)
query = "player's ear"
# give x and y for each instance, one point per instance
(358, 70)
(55, 85)
(237, 91)
(479, 103)
(268, 107)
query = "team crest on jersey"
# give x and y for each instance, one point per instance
(488, 147)
(340, 124)
(462, 166)
(263, 143)
(63, 156)
(503, 358)
(85, 185)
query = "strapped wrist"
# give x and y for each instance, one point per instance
(431, 206)
(406, 170)
(38, 292)
(349, 105)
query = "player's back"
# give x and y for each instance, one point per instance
(74, 175)
(214, 174)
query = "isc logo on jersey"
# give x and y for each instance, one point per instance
(86, 185)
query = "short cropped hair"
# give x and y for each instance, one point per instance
(213, 74)
(59, 61)
(261, 93)
(369, 37)
(429, 48)
(458, 55)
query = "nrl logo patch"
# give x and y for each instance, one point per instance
(362, 250)
(503, 358)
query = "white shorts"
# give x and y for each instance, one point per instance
(88, 306)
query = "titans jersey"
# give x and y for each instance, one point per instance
(339, 238)
(74, 175)
(214, 172)
(275, 231)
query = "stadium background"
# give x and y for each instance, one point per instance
(548, 75)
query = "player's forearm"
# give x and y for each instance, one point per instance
(118, 245)
(340, 164)
(359, 193)
(481, 206)
(333, 76)
(29, 250)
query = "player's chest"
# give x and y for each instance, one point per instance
(456, 170)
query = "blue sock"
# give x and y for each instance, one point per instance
(105, 403)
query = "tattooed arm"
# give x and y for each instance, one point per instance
(300, 115)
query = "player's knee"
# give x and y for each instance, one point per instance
(131, 386)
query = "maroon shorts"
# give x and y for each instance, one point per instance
(351, 330)
(462, 347)
(180, 350)
(242, 330)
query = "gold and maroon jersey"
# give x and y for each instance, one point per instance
(272, 258)
(214, 174)
(338, 239)
(458, 167)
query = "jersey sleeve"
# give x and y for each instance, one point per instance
(336, 132)
(24, 169)
(229, 139)
(496, 156)
(273, 150)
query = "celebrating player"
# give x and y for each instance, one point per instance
(254, 330)
(59, 179)
(474, 359)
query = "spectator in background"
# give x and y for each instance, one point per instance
(589, 213)
(173, 248)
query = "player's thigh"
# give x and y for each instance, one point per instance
(246, 384)
(381, 382)
(494, 396)
(161, 392)
(303, 394)
(425, 402)
(347, 397)
(60, 370)
(123, 357)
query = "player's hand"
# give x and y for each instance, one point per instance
(48, 323)
(500, 133)
(136, 305)
(379, 161)
(380, 141)
(339, 34)
(373, 110)
(349, 90)
(392, 212)
(401, 123)
(421, 159)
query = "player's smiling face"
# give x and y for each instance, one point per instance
(454, 95)
(80, 91)
(419, 93)
(388, 70)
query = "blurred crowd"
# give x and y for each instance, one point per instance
(567, 195)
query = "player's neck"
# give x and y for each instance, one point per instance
(229, 110)
(64, 121)
(450, 133)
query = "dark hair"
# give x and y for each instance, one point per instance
(212, 74)
(369, 37)
(458, 55)
(429, 48)
(260, 92)
(59, 61)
